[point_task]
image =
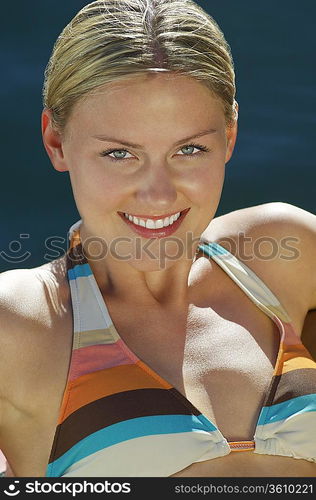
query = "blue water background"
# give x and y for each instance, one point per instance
(273, 45)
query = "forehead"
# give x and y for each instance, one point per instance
(148, 100)
(145, 88)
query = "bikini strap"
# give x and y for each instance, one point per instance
(247, 280)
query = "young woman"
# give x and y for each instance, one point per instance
(165, 342)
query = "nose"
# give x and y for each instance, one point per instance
(157, 189)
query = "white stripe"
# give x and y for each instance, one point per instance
(293, 437)
(88, 315)
(150, 456)
(252, 285)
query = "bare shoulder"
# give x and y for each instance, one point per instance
(31, 302)
(276, 219)
(24, 293)
(278, 242)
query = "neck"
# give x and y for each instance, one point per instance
(148, 281)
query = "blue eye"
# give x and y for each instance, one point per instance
(108, 152)
(111, 151)
(195, 146)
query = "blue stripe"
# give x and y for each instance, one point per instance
(123, 431)
(286, 409)
(213, 249)
(79, 271)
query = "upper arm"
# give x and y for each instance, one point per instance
(301, 227)
(27, 319)
(17, 324)
(277, 240)
(11, 326)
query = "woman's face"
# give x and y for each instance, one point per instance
(157, 165)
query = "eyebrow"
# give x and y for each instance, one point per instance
(139, 146)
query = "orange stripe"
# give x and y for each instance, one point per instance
(102, 383)
(75, 239)
(241, 449)
(297, 363)
(294, 357)
(241, 445)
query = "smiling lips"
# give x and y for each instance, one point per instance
(154, 223)
(157, 226)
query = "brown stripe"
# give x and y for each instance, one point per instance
(292, 384)
(113, 409)
(185, 402)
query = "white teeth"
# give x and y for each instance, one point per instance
(149, 224)
(153, 224)
(159, 223)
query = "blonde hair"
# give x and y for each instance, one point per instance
(110, 40)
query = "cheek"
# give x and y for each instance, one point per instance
(93, 188)
(207, 182)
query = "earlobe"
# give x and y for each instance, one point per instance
(52, 142)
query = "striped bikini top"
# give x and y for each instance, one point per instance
(119, 418)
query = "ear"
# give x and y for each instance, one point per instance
(52, 140)
(231, 135)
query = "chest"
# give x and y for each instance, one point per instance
(221, 361)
